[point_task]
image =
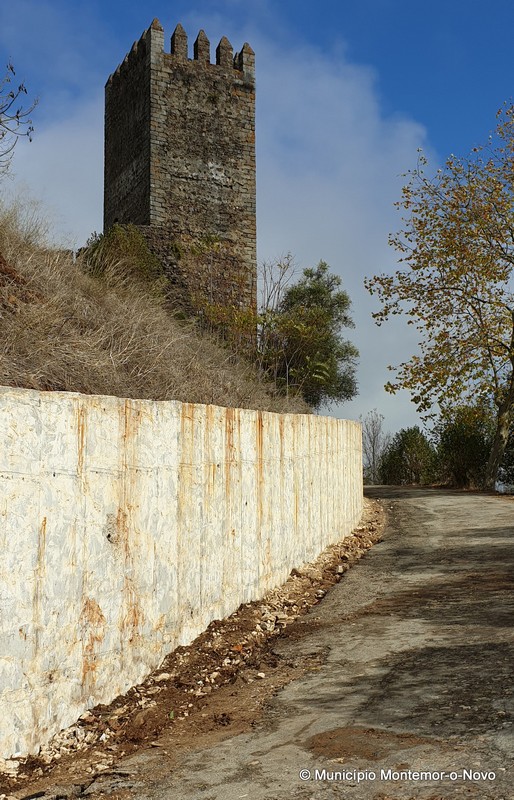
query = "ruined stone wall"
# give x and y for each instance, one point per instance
(190, 175)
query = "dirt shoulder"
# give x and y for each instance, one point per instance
(215, 688)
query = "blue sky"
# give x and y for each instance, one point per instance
(346, 93)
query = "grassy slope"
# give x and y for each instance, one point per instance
(61, 329)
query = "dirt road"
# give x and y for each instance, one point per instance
(411, 694)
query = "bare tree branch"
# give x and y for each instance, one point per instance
(15, 120)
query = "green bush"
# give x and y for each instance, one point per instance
(464, 437)
(408, 459)
(122, 255)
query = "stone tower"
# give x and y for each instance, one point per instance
(180, 162)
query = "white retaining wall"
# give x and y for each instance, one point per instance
(126, 526)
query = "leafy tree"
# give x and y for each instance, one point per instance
(374, 444)
(300, 342)
(14, 119)
(456, 283)
(408, 459)
(464, 437)
(295, 337)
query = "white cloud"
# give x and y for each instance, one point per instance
(63, 167)
(330, 167)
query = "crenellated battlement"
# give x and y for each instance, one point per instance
(152, 42)
(180, 159)
(244, 61)
(136, 55)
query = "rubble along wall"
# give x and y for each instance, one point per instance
(126, 526)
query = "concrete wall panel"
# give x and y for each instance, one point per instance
(126, 526)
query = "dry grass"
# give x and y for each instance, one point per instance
(62, 329)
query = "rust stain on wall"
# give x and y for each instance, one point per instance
(185, 467)
(42, 539)
(211, 480)
(160, 623)
(92, 623)
(134, 616)
(229, 446)
(259, 446)
(92, 614)
(38, 589)
(209, 466)
(81, 437)
(131, 419)
(130, 422)
(259, 455)
(187, 414)
(116, 530)
(187, 420)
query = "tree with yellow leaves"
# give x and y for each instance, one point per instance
(456, 284)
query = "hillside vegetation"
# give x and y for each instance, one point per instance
(105, 326)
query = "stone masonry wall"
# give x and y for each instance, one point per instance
(127, 141)
(190, 175)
